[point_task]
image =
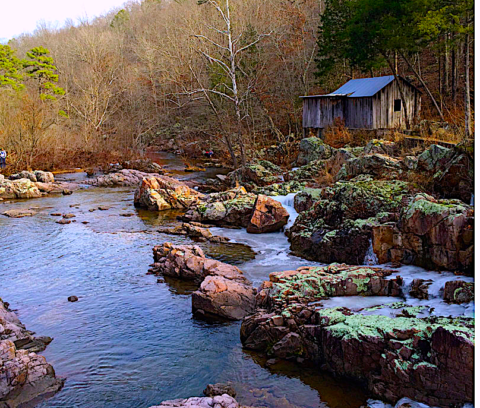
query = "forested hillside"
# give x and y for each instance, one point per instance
(226, 74)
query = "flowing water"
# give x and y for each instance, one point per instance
(131, 340)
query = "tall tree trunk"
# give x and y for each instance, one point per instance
(468, 114)
(454, 75)
(419, 77)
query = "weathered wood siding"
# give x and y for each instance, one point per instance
(321, 112)
(384, 116)
(359, 113)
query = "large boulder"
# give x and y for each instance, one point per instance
(224, 290)
(24, 174)
(268, 216)
(164, 193)
(44, 176)
(233, 207)
(376, 165)
(434, 234)
(338, 227)
(311, 149)
(20, 188)
(120, 178)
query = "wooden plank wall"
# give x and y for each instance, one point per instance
(359, 113)
(384, 116)
(321, 112)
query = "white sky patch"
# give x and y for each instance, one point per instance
(23, 16)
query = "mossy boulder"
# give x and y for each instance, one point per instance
(338, 227)
(259, 173)
(311, 149)
(377, 165)
(305, 199)
(434, 234)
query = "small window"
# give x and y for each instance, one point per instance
(397, 105)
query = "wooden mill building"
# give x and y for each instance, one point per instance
(367, 103)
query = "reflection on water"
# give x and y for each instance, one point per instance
(131, 341)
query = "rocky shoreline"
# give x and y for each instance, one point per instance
(25, 376)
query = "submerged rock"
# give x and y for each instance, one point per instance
(20, 213)
(219, 389)
(25, 377)
(163, 193)
(224, 290)
(194, 230)
(427, 359)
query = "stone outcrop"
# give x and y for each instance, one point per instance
(238, 208)
(426, 359)
(224, 290)
(233, 207)
(164, 193)
(458, 291)
(434, 234)
(305, 199)
(338, 227)
(219, 401)
(312, 149)
(377, 165)
(25, 377)
(260, 173)
(268, 216)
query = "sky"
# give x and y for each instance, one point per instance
(22, 16)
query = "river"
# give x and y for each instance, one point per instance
(130, 340)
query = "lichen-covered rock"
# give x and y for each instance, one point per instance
(311, 149)
(233, 207)
(281, 189)
(24, 375)
(427, 359)
(380, 146)
(260, 173)
(219, 401)
(434, 234)
(376, 165)
(458, 291)
(268, 216)
(338, 227)
(19, 188)
(305, 199)
(165, 193)
(224, 290)
(434, 158)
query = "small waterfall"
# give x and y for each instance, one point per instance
(287, 202)
(370, 257)
(471, 201)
